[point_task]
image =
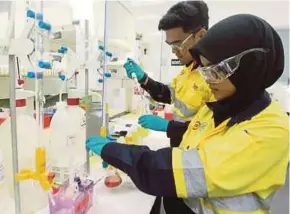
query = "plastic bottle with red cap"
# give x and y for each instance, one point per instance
(26, 143)
(59, 152)
(66, 150)
(78, 116)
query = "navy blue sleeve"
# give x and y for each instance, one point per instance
(175, 132)
(158, 91)
(151, 171)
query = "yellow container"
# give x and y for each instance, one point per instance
(136, 138)
(143, 132)
(129, 140)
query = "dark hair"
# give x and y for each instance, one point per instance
(189, 15)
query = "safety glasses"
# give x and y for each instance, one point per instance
(182, 44)
(223, 70)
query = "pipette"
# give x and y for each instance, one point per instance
(144, 99)
(134, 77)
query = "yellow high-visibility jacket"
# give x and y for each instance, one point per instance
(234, 168)
(240, 166)
(188, 92)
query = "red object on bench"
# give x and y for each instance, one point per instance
(168, 116)
(2, 120)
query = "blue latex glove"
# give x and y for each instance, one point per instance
(153, 122)
(132, 67)
(97, 143)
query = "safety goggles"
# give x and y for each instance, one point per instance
(223, 70)
(182, 44)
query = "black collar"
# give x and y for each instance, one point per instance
(255, 108)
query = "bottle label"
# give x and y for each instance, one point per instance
(71, 140)
(83, 121)
(2, 173)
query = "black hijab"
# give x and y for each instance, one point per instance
(257, 70)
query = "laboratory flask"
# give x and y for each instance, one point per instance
(33, 198)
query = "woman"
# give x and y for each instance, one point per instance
(234, 154)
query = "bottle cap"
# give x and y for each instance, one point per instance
(73, 101)
(21, 103)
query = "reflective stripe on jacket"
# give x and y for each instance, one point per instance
(234, 168)
(189, 92)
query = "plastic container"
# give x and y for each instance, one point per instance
(6, 201)
(65, 155)
(79, 203)
(135, 135)
(78, 115)
(33, 198)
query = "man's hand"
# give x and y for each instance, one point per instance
(153, 122)
(132, 67)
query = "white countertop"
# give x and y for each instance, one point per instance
(125, 199)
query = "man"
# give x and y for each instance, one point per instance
(184, 24)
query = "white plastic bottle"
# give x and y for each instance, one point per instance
(78, 116)
(33, 198)
(65, 154)
(6, 201)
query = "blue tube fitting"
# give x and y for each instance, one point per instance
(62, 77)
(44, 65)
(39, 16)
(62, 50)
(108, 75)
(100, 80)
(44, 25)
(30, 14)
(109, 54)
(31, 75)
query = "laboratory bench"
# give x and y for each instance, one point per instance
(126, 198)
